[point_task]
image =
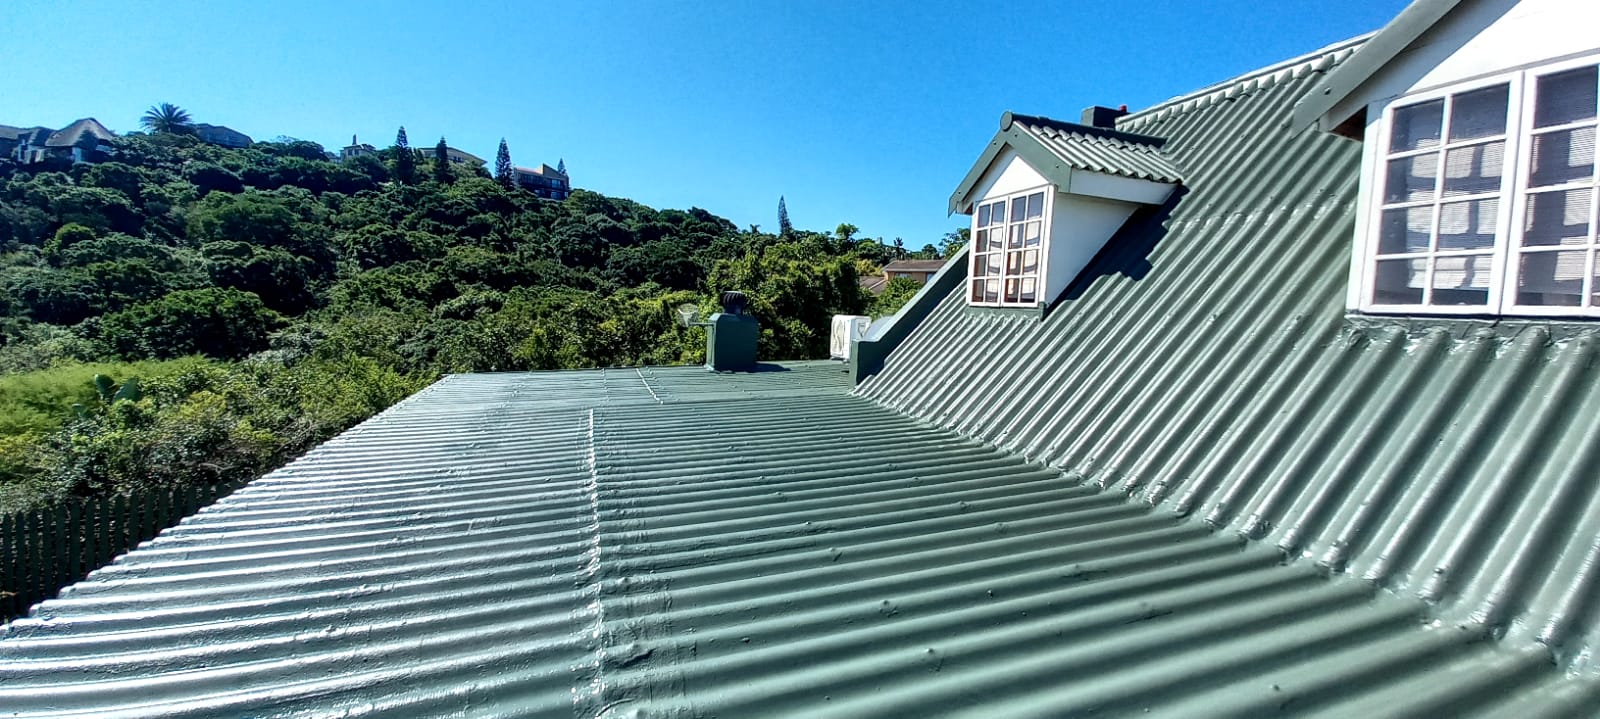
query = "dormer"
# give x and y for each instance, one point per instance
(1478, 188)
(1045, 196)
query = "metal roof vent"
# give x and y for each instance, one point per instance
(731, 336)
(734, 302)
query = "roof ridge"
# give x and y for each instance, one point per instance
(1314, 61)
(1147, 142)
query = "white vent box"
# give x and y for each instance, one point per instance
(846, 329)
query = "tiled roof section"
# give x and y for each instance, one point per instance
(75, 133)
(914, 266)
(677, 543)
(1203, 365)
(1099, 150)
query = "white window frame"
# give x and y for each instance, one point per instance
(1509, 223)
(1048, 212)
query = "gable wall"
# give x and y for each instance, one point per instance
(1007, 174)
(1483, 38)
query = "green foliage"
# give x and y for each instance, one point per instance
(41, 401)
(405, 163)
(222, 323)
(169, 118)
(300, 296)
(504, 173)
(441, 163)
(794, 293)
(70, 234)
(899, 291)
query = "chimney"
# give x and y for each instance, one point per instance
(1097, 116)
(731, 336)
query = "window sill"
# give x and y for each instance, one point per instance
(1034, 312)
(1467, 326)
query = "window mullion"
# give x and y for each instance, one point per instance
(1519, 148)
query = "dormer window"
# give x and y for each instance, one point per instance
(1007, 242)
(1484, 198)
(1046, 196)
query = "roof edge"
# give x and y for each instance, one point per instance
(1388, 42)
(1316, 60)
(1091, 130)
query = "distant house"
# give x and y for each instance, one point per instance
(220, 135)
(918, 270)
(356, 148)
(457, 157)
(85, 140)
(12, 137)
(546, 182)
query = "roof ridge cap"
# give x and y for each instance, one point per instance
(1148, 142)
(1333, 52)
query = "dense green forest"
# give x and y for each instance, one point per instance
(189, 313)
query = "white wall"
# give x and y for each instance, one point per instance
(1007, 174)
(1079, 227)
(1484, 37)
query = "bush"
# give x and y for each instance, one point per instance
(221, 323)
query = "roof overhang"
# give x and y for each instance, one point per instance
(1058, 170)
(1318, 106)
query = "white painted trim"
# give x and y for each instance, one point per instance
(1116, 187)
(1046, 220)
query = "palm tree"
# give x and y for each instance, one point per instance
(167, 117)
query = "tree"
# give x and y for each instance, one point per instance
(504, 173)
(953, 241)
(441, 163)
(785, 228)
(169, 118)
(405, 163)
(561, 166)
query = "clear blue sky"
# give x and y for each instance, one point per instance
(866, 112)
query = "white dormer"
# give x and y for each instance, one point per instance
(1479, 186)
(1045, 197)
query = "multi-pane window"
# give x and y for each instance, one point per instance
(1555, 262)
(1007, 249)
(1485, 199)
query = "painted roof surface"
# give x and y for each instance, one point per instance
(676, 543)
(1096, 150)
(1203, 365)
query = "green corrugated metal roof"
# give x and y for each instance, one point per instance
(1056, 149)
(1097, 150)
(1192, 490)
(671, 543)
(1207, 368)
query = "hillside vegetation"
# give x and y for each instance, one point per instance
(188, 313)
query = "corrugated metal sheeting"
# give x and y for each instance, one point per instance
(1087, 148)
(675, 543)
(579, 544)
(1204, 365)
